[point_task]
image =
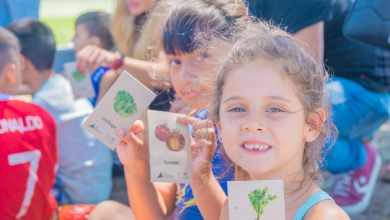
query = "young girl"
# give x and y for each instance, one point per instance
(271, 109)
(193, 66)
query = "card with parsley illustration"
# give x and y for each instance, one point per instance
(124, 103)
(256, 199)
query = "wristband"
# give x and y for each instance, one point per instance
(118, 63)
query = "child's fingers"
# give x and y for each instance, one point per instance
(203, 149)
(208, 148)
(205, 130)
(138, 129)
(135, 136)
(187, 120)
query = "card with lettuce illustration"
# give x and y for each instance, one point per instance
(125, 102)
(256, 200)
(81, 82)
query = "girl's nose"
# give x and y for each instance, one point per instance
(253, 124)
(187, 71)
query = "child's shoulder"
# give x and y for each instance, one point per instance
(326, 209)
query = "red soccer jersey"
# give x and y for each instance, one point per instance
(28, 156)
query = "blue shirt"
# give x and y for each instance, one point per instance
(96, 77)
(186, 207)
(310, 202)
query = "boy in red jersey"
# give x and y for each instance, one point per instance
(28, 148)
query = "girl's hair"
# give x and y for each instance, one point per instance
(261, 40)
(190, 22)
(140, 36)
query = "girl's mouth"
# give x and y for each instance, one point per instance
(251, 147)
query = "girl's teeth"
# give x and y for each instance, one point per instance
(256, 147)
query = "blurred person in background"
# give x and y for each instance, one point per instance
(136, 36)
(84, 171)
(93, 28)
(28, 143)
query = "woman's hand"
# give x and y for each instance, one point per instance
(91, 57)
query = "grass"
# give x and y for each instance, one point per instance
(63, 28)
(60, 15)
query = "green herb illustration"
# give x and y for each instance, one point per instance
(78, 76)
(259, 199)
(124, 104)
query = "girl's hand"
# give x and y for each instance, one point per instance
(202, 147)
(133, 150)
(91, 57)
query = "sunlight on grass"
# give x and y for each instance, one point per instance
(63, 28)
(60, 15)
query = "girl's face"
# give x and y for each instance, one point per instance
(137, 7)
(193, 75)
(262, 121)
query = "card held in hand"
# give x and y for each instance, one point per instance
(121, 106)
(81, 82)
(169, 148)
(256, 199)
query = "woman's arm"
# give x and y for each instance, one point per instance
(91, 57)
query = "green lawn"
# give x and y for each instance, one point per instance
(60, 15)
(63, 28)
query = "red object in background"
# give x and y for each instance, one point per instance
(74, 212)
(28, 156)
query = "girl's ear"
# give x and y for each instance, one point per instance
(314, 124)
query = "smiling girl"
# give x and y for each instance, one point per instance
(271, 111)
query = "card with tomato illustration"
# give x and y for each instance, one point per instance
(256, 199)
(81, 82)
(125, 102)
(169, 148)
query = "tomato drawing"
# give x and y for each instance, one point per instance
(162, 132)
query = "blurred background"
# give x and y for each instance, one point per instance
(60, 15)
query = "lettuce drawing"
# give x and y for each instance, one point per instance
(124, 104)
(78, 76)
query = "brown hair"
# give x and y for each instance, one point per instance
(263, 41)
(9, 48)
(140, 37)
(97, 24)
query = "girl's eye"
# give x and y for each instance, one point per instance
(274, 110)
(237, 109)
(174, 63)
